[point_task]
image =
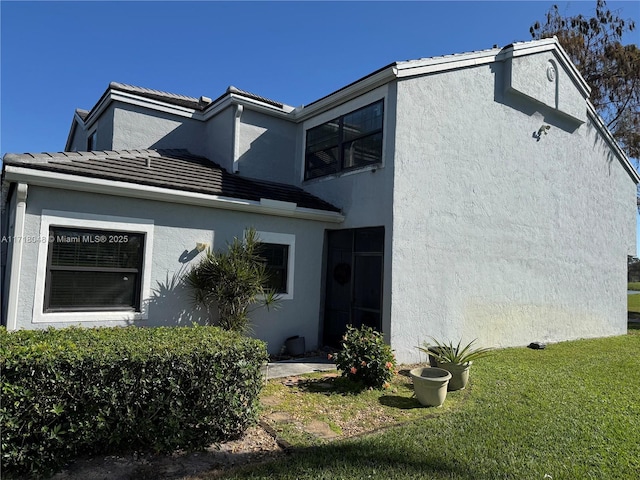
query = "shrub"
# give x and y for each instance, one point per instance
(232, 281)
(365, 358)
(76, 391)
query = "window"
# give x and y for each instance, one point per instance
(278, 250)
(348, 142)
(92, 140)
(93, 270)
(277, 259)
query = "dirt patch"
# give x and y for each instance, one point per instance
(257, 445)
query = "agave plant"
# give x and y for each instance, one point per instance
(456, 359)
(450, 353)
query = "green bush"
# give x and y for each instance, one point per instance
(76, 391)
(365, 358)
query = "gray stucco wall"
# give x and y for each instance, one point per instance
(136, 127)
(365, 196)
(266, 147)
(176, 230)
(499, 235)
(103, 126)
(219, 139)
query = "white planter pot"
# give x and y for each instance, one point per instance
(430, 385)
(459, 374)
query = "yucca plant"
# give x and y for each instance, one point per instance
(232, 282)
(456, 359)
(450, 353)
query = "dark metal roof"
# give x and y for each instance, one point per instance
(173, 169)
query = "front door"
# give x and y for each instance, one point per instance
(353, 281)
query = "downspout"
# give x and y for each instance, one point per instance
(16, 256)
(236, 137)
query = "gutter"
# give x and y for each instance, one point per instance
(123, 189)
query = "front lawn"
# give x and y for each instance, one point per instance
(633, 286)
(571, 411)
(633, 303)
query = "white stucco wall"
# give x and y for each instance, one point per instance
(498, 235)
(176, 230)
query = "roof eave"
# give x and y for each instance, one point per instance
(65, 181)
(353, 90)
(612, 142)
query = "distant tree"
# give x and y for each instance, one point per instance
(611, 69)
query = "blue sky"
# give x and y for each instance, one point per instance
(59, 56)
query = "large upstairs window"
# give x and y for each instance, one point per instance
(345, 143)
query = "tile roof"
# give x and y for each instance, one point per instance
(200, 104)
(173, 98)
(174, 169)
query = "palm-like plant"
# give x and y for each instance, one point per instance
(450, 353)
(232, 282)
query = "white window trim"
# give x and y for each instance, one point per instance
(104, 222)
(290, 241)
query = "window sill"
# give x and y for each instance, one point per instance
(344, 173)
(119, 317)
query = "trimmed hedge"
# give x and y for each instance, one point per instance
(73, 391)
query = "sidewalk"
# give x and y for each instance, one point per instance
(297, 366)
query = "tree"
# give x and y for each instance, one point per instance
(611, 69)
(232, 282)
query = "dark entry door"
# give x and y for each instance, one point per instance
(353, 281)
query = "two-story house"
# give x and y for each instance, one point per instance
(476, 195)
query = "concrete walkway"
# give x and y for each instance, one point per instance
(297, 366)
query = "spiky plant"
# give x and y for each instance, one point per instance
(450, 353)
(232, 282)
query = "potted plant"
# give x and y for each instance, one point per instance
(430, 385)
(456, 359)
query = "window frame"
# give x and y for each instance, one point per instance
(96, 234)
(122, 225)
(343, 140)
(284, 267)
(290, 241)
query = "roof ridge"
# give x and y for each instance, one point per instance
(152, 91)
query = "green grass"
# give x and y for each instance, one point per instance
(633, 303)
(633, 286)
(345, 409)
(571, 411)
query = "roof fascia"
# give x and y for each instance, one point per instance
(345, 94)
(613, 144)
(109, 187)
(232, 98)
(112, 95)
(440, 64)
(74, 124)
(132, 99)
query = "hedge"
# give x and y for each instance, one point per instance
(73, 391)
